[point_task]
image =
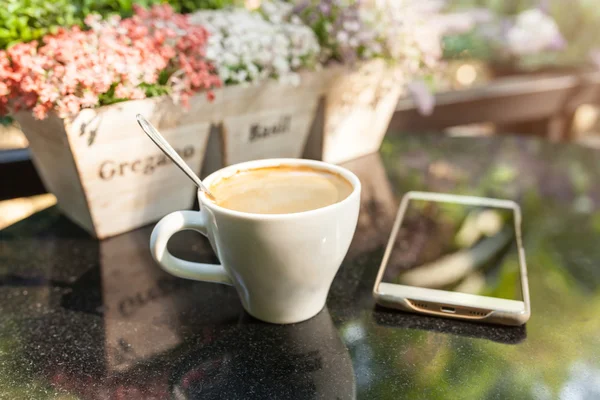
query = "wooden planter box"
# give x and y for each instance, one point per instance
(269, 120)
(359, 106)
(378, 207)
(11, 137)
(107, 175)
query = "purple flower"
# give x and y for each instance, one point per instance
(300, 7)
(422, 96)
(595, 57)
(558, 42)
(544, 6)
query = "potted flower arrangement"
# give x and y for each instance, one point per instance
(23, 21)
(381, 46)
(528, 41)
(266, 106)
(75, 94)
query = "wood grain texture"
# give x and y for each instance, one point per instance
(267, 120)
(11, 137)
(52, 157)
(107, 174)
(359, 106)
(378, 205)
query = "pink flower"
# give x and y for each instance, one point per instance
(41, 110)
(89, 99)
(73, 68)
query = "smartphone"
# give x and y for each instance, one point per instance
(457, 257)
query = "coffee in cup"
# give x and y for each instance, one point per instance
(280, 228)
(282, 189)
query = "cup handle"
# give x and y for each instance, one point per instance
(167, 227)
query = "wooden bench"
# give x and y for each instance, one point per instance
(532, 104)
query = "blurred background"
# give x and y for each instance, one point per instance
(504, 69)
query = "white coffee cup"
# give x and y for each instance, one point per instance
(281, 265)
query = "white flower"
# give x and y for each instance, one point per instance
(257, 46)
(281, 64)
(342, 37)
(252, 70)
(224, 74)
(241, 76)
(230, 58)
(351, 26)
(211, 53)
(411, 32)
(533, 32)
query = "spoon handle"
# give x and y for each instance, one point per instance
(162, 143)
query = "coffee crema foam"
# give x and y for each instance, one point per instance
(280, 190)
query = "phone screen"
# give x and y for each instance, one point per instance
(457, 248)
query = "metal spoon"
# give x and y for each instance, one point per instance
(162, 144)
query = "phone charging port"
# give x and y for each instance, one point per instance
(450, 310)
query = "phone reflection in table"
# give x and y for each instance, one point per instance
(495, 333)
